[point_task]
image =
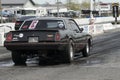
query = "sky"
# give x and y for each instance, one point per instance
(53, 1)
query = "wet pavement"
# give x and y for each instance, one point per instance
(102, 64)
(3, 50)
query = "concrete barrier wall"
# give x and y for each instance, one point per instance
(93, 29)
(98, 20)
(108, 26)
(2, 39)
(4, 28)
(12, 25)
(96, 29)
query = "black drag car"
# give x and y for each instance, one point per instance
(48, 37)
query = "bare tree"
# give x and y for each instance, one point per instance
(73, 5)
(85, 5)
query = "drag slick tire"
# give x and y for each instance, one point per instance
(86, 50)
(19, 58)
(69, 53)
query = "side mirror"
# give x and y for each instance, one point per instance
(81, 29)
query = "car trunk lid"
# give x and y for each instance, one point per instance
(35, 35)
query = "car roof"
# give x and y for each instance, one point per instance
(22, 18)
(48, 18)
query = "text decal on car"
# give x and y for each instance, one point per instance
(33, 24)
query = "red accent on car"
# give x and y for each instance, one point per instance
(9, 37)
(57, 36)
(25, 27)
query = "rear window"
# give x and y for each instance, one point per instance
(43, 24)
(26, 25)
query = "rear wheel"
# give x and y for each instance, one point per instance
(41, 60)
(19, 58)
(86, 50)
(69, 53)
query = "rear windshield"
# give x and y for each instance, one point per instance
(43, 24)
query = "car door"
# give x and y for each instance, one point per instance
(78, 36)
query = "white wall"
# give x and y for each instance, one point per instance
(4, 28)
(98, 20)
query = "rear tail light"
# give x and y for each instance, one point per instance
(9, 37)
(57, 36)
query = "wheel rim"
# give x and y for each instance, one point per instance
(87, 48)
(71, 53)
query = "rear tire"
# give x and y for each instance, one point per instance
(69, 53)
(86, 50)
(42, 60)
(19, 58)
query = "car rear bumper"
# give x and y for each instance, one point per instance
(36, 46)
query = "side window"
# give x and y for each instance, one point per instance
(70, 26)
(26, 25)
(73, 25)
